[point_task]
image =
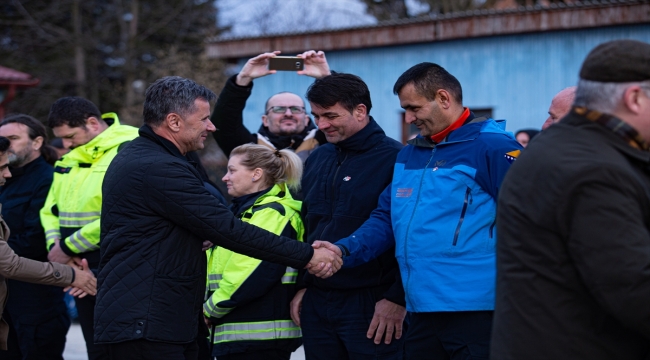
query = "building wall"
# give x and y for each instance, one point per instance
(515, 75)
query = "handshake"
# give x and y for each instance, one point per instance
(326, 261)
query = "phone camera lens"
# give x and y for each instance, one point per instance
(297, 64)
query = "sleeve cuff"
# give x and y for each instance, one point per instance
(66, 249)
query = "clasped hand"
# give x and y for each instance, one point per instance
(327, 259)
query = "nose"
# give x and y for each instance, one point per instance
(6, 173)
(409, 117)
(211, 127)
(225, 178)
(67, 143)
(322, 125)
(547, 123)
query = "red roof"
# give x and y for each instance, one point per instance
(10, 76)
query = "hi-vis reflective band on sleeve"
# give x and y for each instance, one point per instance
(264, 330)
(214, 311)
(290, 276)
(52, 234)
(77, 219)
(213, 281)
(81, 243)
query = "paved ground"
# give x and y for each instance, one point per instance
(75, 348)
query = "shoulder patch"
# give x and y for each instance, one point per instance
(62, 170)
(512, 155)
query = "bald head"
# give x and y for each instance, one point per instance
(560, 106)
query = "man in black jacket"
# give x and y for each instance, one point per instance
(347, 315)
(156, 213)
(573, 256)
(36, 314)
(285, 123)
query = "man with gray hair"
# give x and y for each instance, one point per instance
(156, 215)
(573, 269)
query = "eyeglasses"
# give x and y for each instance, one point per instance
(283, 109)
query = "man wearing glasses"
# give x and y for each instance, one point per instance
(285, 123)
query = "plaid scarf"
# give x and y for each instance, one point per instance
(616, 125)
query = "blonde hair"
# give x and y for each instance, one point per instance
(279, 166)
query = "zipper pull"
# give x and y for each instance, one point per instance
(95, 150)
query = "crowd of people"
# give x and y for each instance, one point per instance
(459, 245)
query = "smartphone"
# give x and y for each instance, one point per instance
(286, 63)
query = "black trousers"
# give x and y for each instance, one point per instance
(335, 322)
(149, 350)
(38, 322)
(463, 335)
(86, 310)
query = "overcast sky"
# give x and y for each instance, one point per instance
(254, 17)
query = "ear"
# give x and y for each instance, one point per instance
(444, 99)
(257, 174)
(360, 112)
(265, 120)
(173, 122)
(632, 99)
(37, 143)
(92, 123)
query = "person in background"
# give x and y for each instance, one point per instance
(244, 290)
(560, 106)
(573, 269)
(71, 214)
(33, 310)
(285, 123)
(80, 281)
(524, 136)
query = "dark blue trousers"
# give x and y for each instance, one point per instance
(335, 322)
(463, 335)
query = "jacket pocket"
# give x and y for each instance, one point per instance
(466, 202)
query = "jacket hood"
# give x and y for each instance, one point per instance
(365, 139)
(113, 136)
(279, 193)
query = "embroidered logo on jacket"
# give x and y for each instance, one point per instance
(512, 156)
(404, 192)
(347, 178)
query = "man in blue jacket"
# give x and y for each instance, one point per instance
(347, 316)
(439, 213)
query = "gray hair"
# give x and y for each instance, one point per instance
(604, 97)
(172, 94)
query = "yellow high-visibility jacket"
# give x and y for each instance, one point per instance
(72, 208)
(247, 299)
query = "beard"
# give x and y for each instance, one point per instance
(17, 159)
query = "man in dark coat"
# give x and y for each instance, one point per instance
(347, 316)
(573, 257)
(36, 314)
(156, 214)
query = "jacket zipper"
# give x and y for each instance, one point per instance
(468, 200)
(492, 227)
(408, 227)
(333, 190)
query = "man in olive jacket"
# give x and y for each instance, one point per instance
(573, 256)
(156, 214)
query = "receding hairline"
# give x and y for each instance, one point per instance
(266, 105)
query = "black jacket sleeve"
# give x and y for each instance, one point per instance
(228, 119)
(173, 192)
(396, 293)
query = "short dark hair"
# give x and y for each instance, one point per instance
(72, 111)
(428, 78)
(346, 89)
(35, 129)
(172, 94)
(4, 144)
